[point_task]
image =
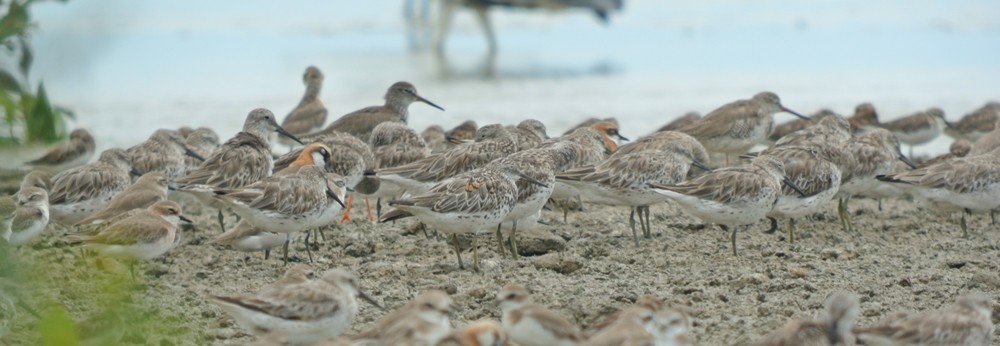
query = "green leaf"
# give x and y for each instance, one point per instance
(57, 328)
(8, 82)
(15, 22)
(27, 56)
(40, 122)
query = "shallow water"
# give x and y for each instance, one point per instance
(129, 67)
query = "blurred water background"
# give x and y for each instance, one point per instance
(128, 67)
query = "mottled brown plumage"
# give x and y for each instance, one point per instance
(360, 123)
(310, 114)
(75, 152)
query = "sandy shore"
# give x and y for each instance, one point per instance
(902, 258)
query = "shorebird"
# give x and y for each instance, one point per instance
(142, 236)
(966, 184)
(974, 125)
(249, 238)
(466, 131)
(482, 333)
(349, 157)
(540, 165)
(594, 145)
(681, 122)
(202, 141)
(240, 161)
(732, 196)
(967, 323)
(418, 177)
(28, 219)
(310, 114)
(393, 145)
(434, 137)
(630, 327)
(958, 148)
(672, 327)
(831, 329)
(623, 179)
(296, 274)
(869, 155)
(75, 152)
(530, 324)
(80, 191)
(737, 126)
(797, 124)
(812, 168)
(360, 123)
(589, 122)
(300, 197)
(37, 178)
(528, 133)
(466, 203)
(986, 143)
(163, 152)
(918, 128)
(306, 312)
(864, 118)
(147, 190)
(422, 321)
(829, 130)
(601, 8)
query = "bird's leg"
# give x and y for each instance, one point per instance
(447, 11)
(267, 254)
(454, 242)
(965, 229)
(879, 204)
(308, 250)
(368, 206)
(347, 207)
(993, 217)
(733, 240)
(791, 231)
(648, 232)
(487, 26)
(131, 270)
(222, 223)
(284, 249)
(631, 224)
(475, 252)
(500, 241)
(423, 226)
(378, 207)
(845, 215)
(513, 242)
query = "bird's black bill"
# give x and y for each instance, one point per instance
(532, 180)
(701, 165)
(832, 335)
(136, 172)
(789, 111)
(333, 195)
(185, 219)
(368, 299)
(619, 136)
(193, 154)
(788, 181)
(421, 99)
(907, 161)
(285, 133)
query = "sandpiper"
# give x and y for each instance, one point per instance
(732, 196)
(202, 141)
(464, 132)
(240, 161)
(829, 130)
(987, 143)
(589, 122)
(37, 178)
(310, 114)
(296, 274)
(420, 176)
(630, 327)
(29, 218)
(349, 157)
(80, 191)
(739, 125)
(164, 152)
(976, 124)
(422, 321)
(797, 124)
(300, 197)
(147, 190)
(398, 98)
(869, 155)
(831, 329)
(967, 323)
(528, 134)
(75, 152)
(623, 179)
(482, 333)
(594, 145)
(142, 236)
(307, 312)
(393, 145)
(965, 184)
(918, 128)
(248, 238)
(434, 137)
(466, 203)
(864, 118)
(530, 324)
(958, 148)
(681, 122)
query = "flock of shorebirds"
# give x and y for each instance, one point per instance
(128, 204)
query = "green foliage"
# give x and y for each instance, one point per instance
(27, 113)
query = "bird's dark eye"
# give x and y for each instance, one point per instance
(429, 306)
